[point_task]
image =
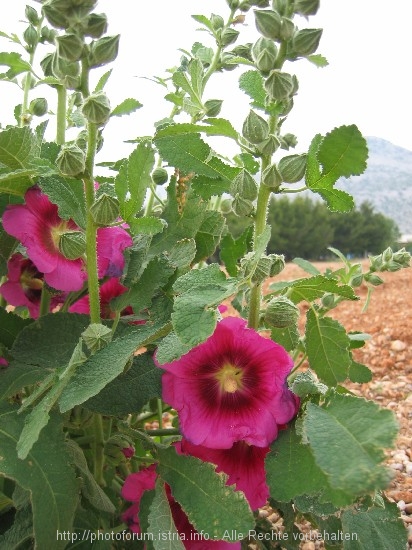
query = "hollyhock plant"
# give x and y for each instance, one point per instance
(243, 463)
(231, 388)
(144, 480)
(111, 242)
(107, 291)
(37, 225)
(24, 285)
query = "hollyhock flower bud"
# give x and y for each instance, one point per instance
(71, 160)
(96, 25)
(244, 185)
(38, 226)
(292, 168)
(70, 46)
(255, 128)
(306, 41)
(281, 312)
(72, 244)
(105, 209)
(268, 23)
(160, 176)
(96, 108)
(104, 50)
(38, 106)
(279, 85)
(231, 388)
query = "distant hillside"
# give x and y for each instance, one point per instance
(386, 183)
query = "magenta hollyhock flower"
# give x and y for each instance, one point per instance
(144, 480)
(107, 291)
(24, 285)
(37, 225)
(111, 242)
(3, 362)
(128, 451)
(231, 388)
(243, 463)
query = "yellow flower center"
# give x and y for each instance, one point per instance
(230, 378)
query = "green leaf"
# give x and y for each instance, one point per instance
(204, 21)
(170, 349)
(106, 364)
(287, 337)
(251, 82)
(359, 373)
(16, 147)
(161, 521)
(133, 180)
(18, 375)
(306, 266)
(10, 327)
(68, 194)
(188, 152)
(362, 430)
(147, 225)
(130, 391)
(126, 107)
(287, 467)
(318, 60)
(103, 81)
(90, 488)
(16, 64)
(20, 532)
(211, 127)
(45, 473)
(327, 346)
(183, 253)
(232, 250)
(306, 384)
(311, 288)
(374, 529)
(341, 153)
(208, 236)
(210, 505)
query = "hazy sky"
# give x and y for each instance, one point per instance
(368, 44)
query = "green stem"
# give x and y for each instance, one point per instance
(61, 115)
(44, 302)
(98, 447)
(164, 431)
(91, 228)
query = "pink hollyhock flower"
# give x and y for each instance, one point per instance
(231, 388)
(24, 285)
(144, 480)
(108, 290)
(128, 451)
(37, 225)
(222, 308)
(243, 463)
(3, 362)
(111, 242)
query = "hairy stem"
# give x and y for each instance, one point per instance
(98, 448)
(61, 115)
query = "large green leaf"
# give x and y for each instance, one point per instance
(311, 288)
(10, 327)
(129, 391)
(16, 147)
(377, 528)
(252, 83)
(327, 346)
(211, 127)
(20, 532)
(45, 473)
(211, 506)
(126, 107)
(16, 64)
(68, 194)
(161, 521)
(357, 433)
(231, 250)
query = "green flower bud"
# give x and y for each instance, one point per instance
(281, 312)
(243, 50)
(241, 206)
(96, 108)
(373, 279)
(269, 145)
(32, 15)
(213, 107)
(71, 160)
(287, 29)
(280, 6)
(113, 449)
(328, 301)
(278, 264)
(72, 244)
(264, 53)
(268, 23)
(47, 65)
(271, 177)
(38, 107)
(228, 36)
(233, 4)
(288, 140)
(245, 6)
(68, 72)
(227, 62)
(30, 37)
(279, 85)
(244, 186)
(226, 206)
(104, 50)
(306, 41)
(217, 22)
(262, 270)
(55, 15)
(261, 3)
(70, 47)
(105, 210)
(402, 257)
(356, 281)
(292, 168)
(96, 25)
(255, 128)
(160, 176)
(387, 254)
(47, 35)
(306, 7)
(96, 336)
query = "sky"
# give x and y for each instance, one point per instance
(367, 43)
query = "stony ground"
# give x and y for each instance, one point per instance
(388, 354)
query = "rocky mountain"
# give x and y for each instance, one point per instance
(386, 183)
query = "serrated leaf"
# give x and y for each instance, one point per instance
(16, 146)
(188, 152)
(211, 127)
(106, 364)
(318, 60)
(161, 521)
(327, 347)
(374, 529)
(126, 107)
(311, 288)
(203, 20)
(359, 373)
(287, 337)
(130, 391)
(287, 467)
(170, 349)
(251, 82)
(68, 194)
(231, 250)
(103, 81)
(90, 488)
(208, 236)
(359, 427)
(306, 384)
(147, 225)
(210, 505)
(16, 64)
(183, 253)
(20, 532)
(306, 266)
(133, 180)
(45, 473)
